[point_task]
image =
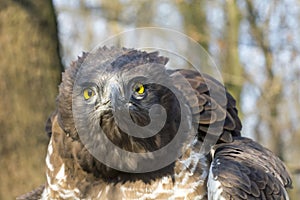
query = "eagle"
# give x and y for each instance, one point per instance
(112, 99)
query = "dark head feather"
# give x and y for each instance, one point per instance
(113, 61)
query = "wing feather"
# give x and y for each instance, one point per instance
(216, 110)
(246, 170)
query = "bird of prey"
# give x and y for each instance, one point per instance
(234, 167)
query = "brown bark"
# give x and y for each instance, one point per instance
(29, 75)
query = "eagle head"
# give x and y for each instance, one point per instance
(124, 99)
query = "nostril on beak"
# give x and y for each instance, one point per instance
(105, 101)
(104, 104)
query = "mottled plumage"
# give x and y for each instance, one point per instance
(234, 168)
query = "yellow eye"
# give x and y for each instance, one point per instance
(139, 88)
(88, 93)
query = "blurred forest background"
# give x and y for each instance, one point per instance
(255, 43)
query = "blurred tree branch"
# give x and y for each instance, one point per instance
(272, 87)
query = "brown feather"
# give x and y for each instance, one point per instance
(33, 195)
(73, 172)
(247, 170)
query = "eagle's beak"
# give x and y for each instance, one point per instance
(104, 105)
(112, 98)
(116, 97)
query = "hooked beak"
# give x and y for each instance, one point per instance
(112, 98)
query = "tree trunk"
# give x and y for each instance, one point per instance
(232, 70)
(29, 77)
(194, 18)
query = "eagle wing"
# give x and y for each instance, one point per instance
(48, 125)
(244, 169)
(217, 109)
(240, 168)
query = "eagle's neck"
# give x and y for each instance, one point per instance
(66, 178)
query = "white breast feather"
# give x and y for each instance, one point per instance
(214, 187)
